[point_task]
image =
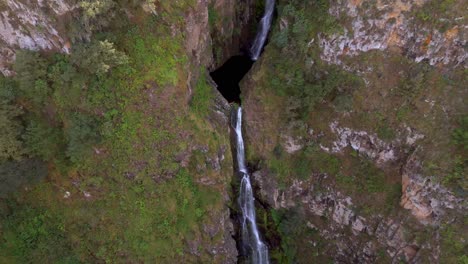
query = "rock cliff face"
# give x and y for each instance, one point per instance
(216, 30)
(386, 25)
(35, 25)
(362, 177)
(349, 116)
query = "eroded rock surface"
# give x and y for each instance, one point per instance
(427, 200)
(388, 25)
(345, 225)
(34, 25)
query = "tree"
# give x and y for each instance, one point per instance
(11, 146)
(82, 133)
(43, 140)
(31, 71)
(96, 14)
(14, 173)
(98, 57)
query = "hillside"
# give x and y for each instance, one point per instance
(117, 145)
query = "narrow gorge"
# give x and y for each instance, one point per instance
(228, 131)
(227, 78)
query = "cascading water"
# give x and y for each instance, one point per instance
(262, 33)
(227, 79)
(250, 236)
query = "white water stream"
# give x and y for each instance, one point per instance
(264, 28)
(250, 235)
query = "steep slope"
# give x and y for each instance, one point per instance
(134, 137)
(354, 122)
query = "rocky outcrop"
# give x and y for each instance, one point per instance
(223, 250)
(427, 200)
(217, 29)
(364, 143)
(387, 128)
(198, 39)
(339, 210)
(230, 27)
(34, 25)
(389, 27)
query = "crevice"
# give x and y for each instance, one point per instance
(228, 76)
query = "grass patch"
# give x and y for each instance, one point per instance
(202, 96)
(301, 165)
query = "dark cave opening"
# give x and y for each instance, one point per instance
(228, 76)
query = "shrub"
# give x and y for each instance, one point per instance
(82, 133)
(11, 146)
(280, 38)
(35, 233)
(212, 16)
(96, 14)
(31, 71)
(460, 134)
(43, 140)
(98, 57)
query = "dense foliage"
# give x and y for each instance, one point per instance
(105, 124)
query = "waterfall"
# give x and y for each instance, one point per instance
(262, 33)
(250, 235)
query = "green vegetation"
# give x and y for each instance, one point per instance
(212, 16)
(296, 238)
(202, 96)
(98, 57)
(43, 141)
(20, 173)
(294, 66)
(301, 165)
(153, 224)
(306, 20)
(10, 143)
(460, 134)
(107, 124)
(32, 234)
(454, 246)
(123, 152)
(439, 13)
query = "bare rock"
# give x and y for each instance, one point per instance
(26, 25)
(363, 142)
(392, 27)
(427, 200)
(342, 214)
